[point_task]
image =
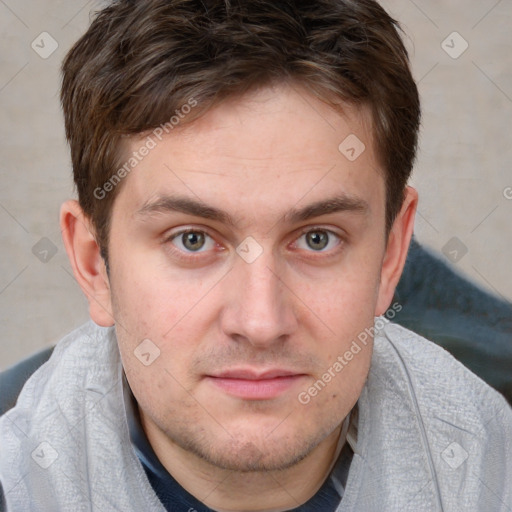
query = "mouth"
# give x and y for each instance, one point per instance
(250, 384)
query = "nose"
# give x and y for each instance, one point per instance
(259, 306)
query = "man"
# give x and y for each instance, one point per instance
(243, 219)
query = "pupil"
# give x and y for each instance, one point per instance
(193, 241)
(317, 237)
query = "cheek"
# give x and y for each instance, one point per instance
(343, 315)
(159, 391)
(156, 328)
(332, 395)
(344, 296)
(148, 302)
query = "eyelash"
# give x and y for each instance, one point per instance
(190, 256)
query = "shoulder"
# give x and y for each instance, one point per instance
(13, 378)
(424, 408)
(85, 345)
(443, 387)
(12, 381)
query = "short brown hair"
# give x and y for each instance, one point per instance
(141, 61)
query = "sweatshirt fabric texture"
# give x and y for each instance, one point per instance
(431, 436)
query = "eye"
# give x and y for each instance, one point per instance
(192, 241)
(320, 240)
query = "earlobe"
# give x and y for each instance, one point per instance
(396, 251)
(87, 264)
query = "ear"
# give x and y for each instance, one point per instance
(396, 251)
(88, 265)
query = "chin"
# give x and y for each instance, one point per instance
(253, 452)
(251, 458)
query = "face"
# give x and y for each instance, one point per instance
(249, 249)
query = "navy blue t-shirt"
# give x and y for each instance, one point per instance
(176, 499)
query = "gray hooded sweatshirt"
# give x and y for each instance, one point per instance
(431, 436)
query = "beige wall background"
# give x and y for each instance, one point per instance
(461, 57)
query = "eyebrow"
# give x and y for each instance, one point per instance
(190, 206)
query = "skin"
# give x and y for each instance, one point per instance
(298, 306)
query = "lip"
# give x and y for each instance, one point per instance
(253, 374)
(250, 384)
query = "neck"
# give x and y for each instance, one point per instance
(226, 490)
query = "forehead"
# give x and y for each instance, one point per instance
(260, 152)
